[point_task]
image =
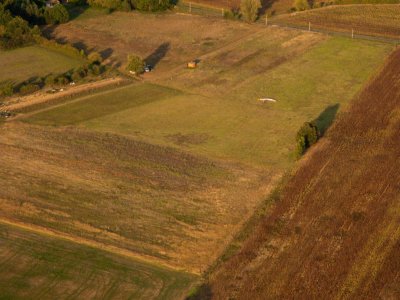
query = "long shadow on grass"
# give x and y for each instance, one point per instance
(326, 118)
(75, 10)
(202, 293)
(158, 54)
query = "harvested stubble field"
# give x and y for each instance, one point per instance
(34, 266)
(33, 62)
(168, 170)
(376, 20)
(334, 233)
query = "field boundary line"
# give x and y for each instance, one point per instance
(20, 103)
(93, 244)
(345, 34)
(77, 98)
(204, 10)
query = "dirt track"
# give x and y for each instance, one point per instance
(18, 103)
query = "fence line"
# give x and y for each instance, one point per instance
(198, 9)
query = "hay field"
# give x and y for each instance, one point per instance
(31, 62)
(34, 266)
(334, 233)
(376, 20)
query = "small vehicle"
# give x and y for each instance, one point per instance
(148, 68)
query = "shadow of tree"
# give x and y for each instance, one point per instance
(75, 10)
(106, 53)
(204, 292)
(155, 57)
(326, 118)
(265, 5)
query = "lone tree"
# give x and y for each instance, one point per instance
(301, 5)
(307, 136)
(249, 9)
(95, 57)
(135, 64)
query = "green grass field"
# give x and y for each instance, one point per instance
(34, 266)
(34, 61)
(234, 125)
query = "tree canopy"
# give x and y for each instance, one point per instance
(249, 9)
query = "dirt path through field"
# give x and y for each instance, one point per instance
(17, 103)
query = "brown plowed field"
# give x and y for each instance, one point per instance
(335, 231)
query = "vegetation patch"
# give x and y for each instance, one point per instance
(38, 266)
(376, 20)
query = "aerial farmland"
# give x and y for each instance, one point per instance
(128, 175)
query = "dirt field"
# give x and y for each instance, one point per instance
(334, 232)
(378, 20)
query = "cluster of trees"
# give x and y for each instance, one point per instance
(19, 20)
(249, 11)
(92, 69)
(36, 12)
(301, 5)
(127, 5)
(14, 31)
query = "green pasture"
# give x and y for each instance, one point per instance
(33, 266)
(31, 62)
(234, 124)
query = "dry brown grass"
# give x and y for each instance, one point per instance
(376, 20)
(154, 201)
(335, 231)
(167, 41)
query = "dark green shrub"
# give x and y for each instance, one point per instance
(232, 14)
(77, 75)
(125, 5)
(6, 89)
(95, 57)
(307, 136)
(62, 80)
(50, 79)
(28, 88)
(95, 69)
(152, 5)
